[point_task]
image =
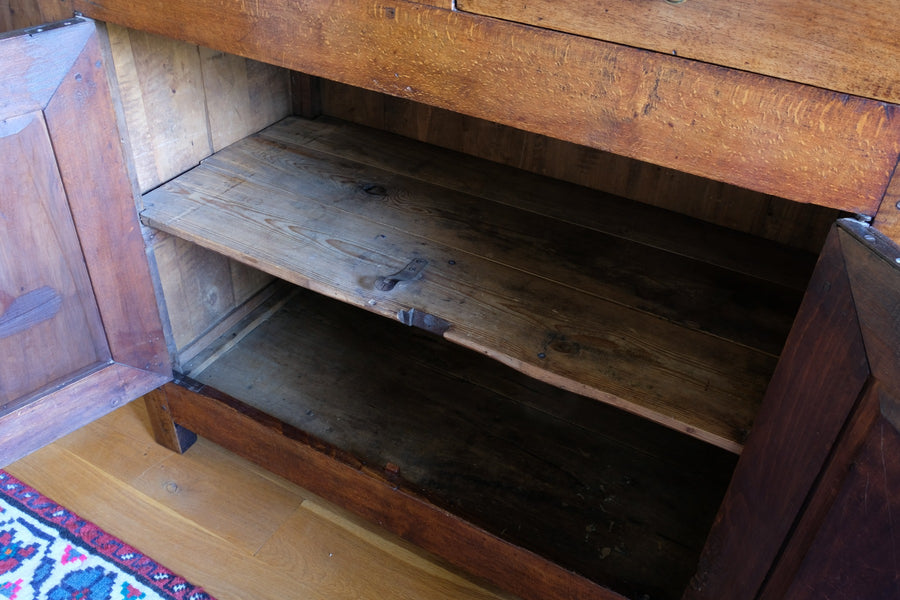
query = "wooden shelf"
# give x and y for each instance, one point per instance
(685, 333)
(621, 501)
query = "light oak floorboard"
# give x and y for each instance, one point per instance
(227, 524)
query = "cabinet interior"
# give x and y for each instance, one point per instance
(591, 336)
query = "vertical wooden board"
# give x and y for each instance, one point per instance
(83, 127)
(887, 219)
(196, 284)
(827, 488)
(19, 14)
(874, 269)
(246, 281)
(49, 323)
(242, 95)
(161, 86)
(200, 287)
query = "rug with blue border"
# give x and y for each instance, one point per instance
(49, 553)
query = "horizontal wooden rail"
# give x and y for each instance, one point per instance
(758, 132)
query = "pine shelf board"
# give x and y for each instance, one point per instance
(671, 338)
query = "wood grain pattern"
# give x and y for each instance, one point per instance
(81, 120)
(25, 311)
(798, 225)
(495, 273)
(485, 443)
(887, 220)
(849, 47)
(821, 498)
(831, 149)
(376, 499)
(200, 289)
(855, 552)
(90, 395)
(688, 293)
(606, 213)
(182, 103)
(161, 86)
(242, 96)
(40, 250)
(873, 265)
(19, 14)
(96, 472)
(34, 66)
(71, 171)
(819, 379)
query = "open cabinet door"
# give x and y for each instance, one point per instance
(810, 510)
(80, 330)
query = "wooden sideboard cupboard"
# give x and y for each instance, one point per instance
(566, 391)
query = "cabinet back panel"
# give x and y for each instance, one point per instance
(183, 102)
(799, 225)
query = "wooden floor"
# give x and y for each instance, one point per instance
(227, 525)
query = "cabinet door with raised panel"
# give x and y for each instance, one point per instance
(80, 330)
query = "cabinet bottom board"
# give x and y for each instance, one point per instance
(621, 501)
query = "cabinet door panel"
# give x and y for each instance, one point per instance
(80, 331)
(855, 551)
(49, 315)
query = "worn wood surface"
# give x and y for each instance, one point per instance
(200, 289)
(873, 264)
(19, 14)
(821, 498)
(831, 149)
(242, 96)
(849, 47)
(182, 103)
(606, 213)
(887, 219)
(39, 251)
(762, 215)
(819, 378)
(593, 489)
(91, 162)
(34, 66)
(89, 395)
(95, 340)
(580, 314)
(369, 493)
(854, 554)
(243, 533)
(161, 86)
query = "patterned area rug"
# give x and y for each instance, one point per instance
(47, 552)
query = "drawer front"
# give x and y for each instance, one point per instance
(845, 47)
